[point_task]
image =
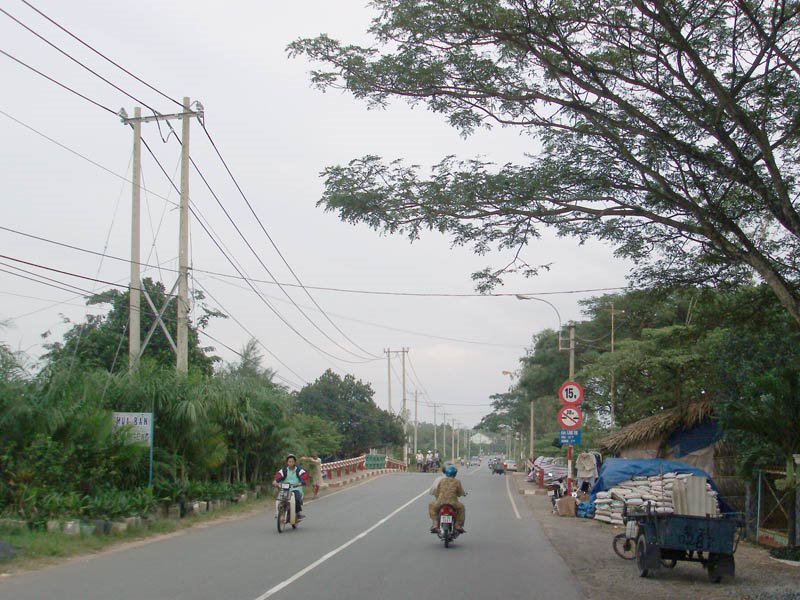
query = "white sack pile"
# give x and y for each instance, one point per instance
(682, 494)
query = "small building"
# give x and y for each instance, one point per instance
(689, 434)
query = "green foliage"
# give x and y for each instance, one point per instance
(317, 434)
(668, 130)
(102, 340)
(348, 404)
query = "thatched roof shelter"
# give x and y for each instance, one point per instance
(656, 430)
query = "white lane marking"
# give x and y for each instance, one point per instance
(511, 498)
(274, 590)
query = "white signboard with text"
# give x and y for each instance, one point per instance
(140, 424)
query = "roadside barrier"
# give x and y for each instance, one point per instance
(391, 463)
(342, 472)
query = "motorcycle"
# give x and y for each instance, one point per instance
(447, 524)
(447, 527)
(556, 490)
(285, 506)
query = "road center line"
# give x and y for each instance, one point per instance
(510, 497)
(274, 590)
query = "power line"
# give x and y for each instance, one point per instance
(261, 262)
(378, 325)
(330, 289)
(79, 155)
(237, 353)
(66, 87)
(68, 273)
(275, 246)
(68, 32)
(73, 59)
(247, 331)
(58, 287)
(239, 271)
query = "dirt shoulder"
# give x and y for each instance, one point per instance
(585, 545)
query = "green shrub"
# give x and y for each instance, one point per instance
(786, 553)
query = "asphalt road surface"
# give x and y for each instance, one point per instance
(367, 541)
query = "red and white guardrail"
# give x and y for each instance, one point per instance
(343, 471)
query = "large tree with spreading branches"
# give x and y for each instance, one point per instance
(668, 128)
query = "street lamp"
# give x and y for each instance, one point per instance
(531, 435)
(551, 305)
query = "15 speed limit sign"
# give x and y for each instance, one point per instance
(570, 393)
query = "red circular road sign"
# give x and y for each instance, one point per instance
(570, 417)
(570, 393)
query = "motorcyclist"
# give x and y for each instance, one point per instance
(293, 473)
(447, 491)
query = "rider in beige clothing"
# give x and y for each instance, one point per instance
(448, 490)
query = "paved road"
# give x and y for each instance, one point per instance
(364, 542)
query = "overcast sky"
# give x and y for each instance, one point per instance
(277, 134)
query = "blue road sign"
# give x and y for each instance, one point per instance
(571, 436)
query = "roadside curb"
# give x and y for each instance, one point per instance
(347, 480)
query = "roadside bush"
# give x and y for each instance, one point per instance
(786, 553)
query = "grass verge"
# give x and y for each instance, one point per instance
(37, 548)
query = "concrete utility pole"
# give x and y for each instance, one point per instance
(435, 427)
(444, 434)
(182, 347)
(416, 409)
(453, 439)
(135, 297)
(572, 351)
(389, 376)
(183, 248)
(405, 413)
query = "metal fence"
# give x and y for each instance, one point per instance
(769, 508)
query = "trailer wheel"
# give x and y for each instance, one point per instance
(641, 553)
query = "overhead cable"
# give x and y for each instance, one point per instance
(247, 331)
(275, 246)
(68, 32)
(238, 270)
(261, 262)
(75, 60)
(66, 87)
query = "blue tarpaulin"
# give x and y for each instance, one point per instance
(700, 436)
(617, 470)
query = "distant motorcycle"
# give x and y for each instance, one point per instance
(285, 506)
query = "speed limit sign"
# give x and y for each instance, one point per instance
(570, 393)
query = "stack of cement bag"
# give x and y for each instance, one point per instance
(682, 494)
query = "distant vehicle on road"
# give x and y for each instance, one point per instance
(475, 461)
(510, 465)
